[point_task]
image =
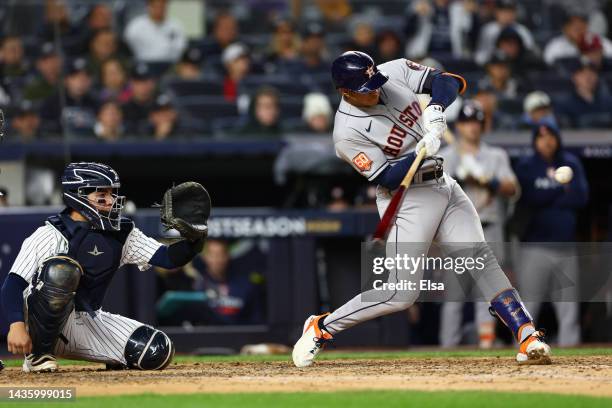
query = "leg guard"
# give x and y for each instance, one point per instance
(51, 300)
(149, 349)
(508, 307)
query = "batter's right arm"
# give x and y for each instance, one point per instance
(365, 157)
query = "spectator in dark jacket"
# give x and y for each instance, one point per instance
(264, 117)
(12, 58)
(189, 67)
(25, 124)
(500, 78)
(46, 81)
(548, 268)
(588, 105)
(225, 32)
(136, 110)
(522, 60)
(552, 205)
(314, 55)
(163, 118)
(77, 111)
(234, 296)
(57, 21)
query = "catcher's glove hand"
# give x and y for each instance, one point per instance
(186, 208)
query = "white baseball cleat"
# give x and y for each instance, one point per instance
(312, 341)
(39, 364)
(534, 351)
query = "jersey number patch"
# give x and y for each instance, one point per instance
(362, 161)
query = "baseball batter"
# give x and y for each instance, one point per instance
(53, 293)
(378, 128)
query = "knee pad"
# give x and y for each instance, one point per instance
(149, 349)
(51, 300)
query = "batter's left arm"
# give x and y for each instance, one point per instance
(443, 87)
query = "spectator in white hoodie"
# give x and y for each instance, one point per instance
(153, 37)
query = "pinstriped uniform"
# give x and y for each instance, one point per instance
(103, 336)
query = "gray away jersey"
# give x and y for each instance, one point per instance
(372, 138)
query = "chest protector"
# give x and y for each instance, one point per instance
(99, 253)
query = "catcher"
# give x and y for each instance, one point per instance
(53, 293)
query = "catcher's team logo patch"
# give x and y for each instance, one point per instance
(362, 161)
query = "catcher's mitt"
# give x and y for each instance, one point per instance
(186, 208)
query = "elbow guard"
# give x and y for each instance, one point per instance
(445, 87)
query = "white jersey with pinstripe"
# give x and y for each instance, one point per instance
(372, 138)
(103, 336)
(46, 241)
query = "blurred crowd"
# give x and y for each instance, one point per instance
(117, 69)
(229, 279)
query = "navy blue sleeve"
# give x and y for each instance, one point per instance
(392, 176)
(160, 258)
(577, 191)
(12, 297)
(177, 254)
(444, 88)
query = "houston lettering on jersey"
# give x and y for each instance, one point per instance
(408, 117)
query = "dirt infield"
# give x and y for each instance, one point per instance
(585, 375)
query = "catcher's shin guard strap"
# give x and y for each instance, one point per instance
(51, 300)
(507, 305)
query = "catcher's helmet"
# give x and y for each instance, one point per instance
(80, 179)
(356, 71)
(471, 110)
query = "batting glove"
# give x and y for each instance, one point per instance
(434, 120)
(473, 167)
(430, 142)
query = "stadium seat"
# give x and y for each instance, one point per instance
(206, 108)
(158, 68)
(549, 82)
(184, 88)
(291, 106)
(284, 84)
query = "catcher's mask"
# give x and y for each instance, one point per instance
(81, 179)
